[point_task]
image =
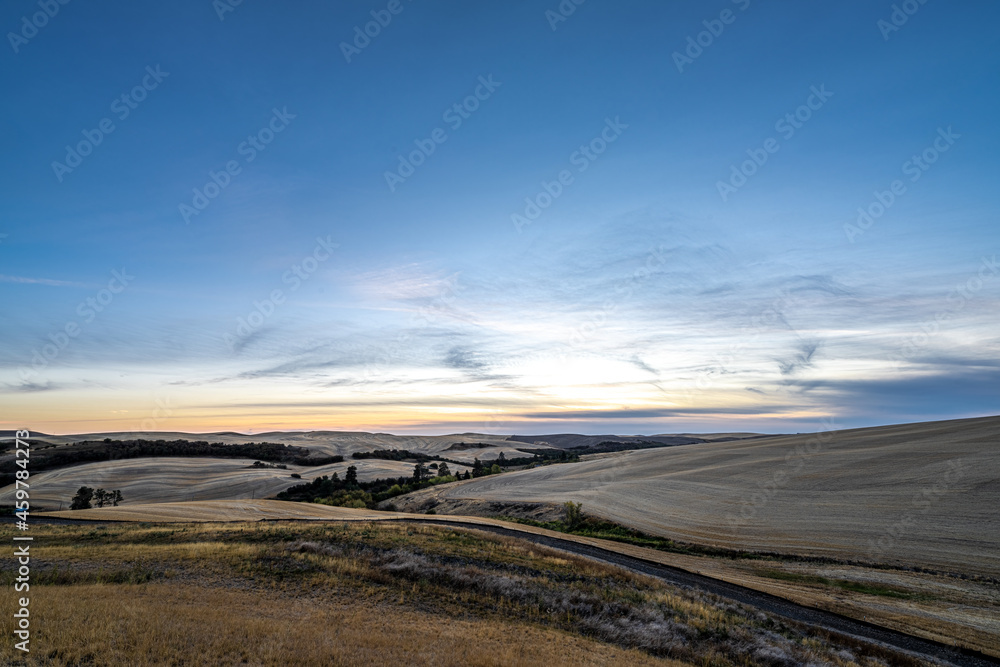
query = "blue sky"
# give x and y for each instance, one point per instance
(309, 293)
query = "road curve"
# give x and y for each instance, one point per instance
(925, 648)
(915, 646)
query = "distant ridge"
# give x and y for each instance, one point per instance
(571, 440)
(10, 434)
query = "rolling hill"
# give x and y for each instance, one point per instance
(330, 443)
(174, 479)
(917, 494)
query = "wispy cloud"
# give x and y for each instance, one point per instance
(802, 358)
(40, 281)
(647, 413)
(407, 283)
(31, 387)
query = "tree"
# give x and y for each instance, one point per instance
(325, 485)
(419, 473)
(574, 514)
(101, 497)
(495, 469)
(502, 460)
(477, 468)
(116, 497)
(81, 501)
(443, 470)
(351, 478)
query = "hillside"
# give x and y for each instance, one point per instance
(174, 479)
(944, 608)
(918, 494)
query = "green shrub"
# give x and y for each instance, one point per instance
(574, 514)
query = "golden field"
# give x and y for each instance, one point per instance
(176, 479)
(913, 495)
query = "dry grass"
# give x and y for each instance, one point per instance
(943, 608)
(169, 624)
(947, 609)
(316, 593)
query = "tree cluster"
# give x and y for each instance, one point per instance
(350, 492)
(543, 456)
(86, 497)
(261, 464)
(480, 469)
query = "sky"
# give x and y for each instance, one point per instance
(498, 217)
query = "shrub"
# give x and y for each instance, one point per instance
(574, 514)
